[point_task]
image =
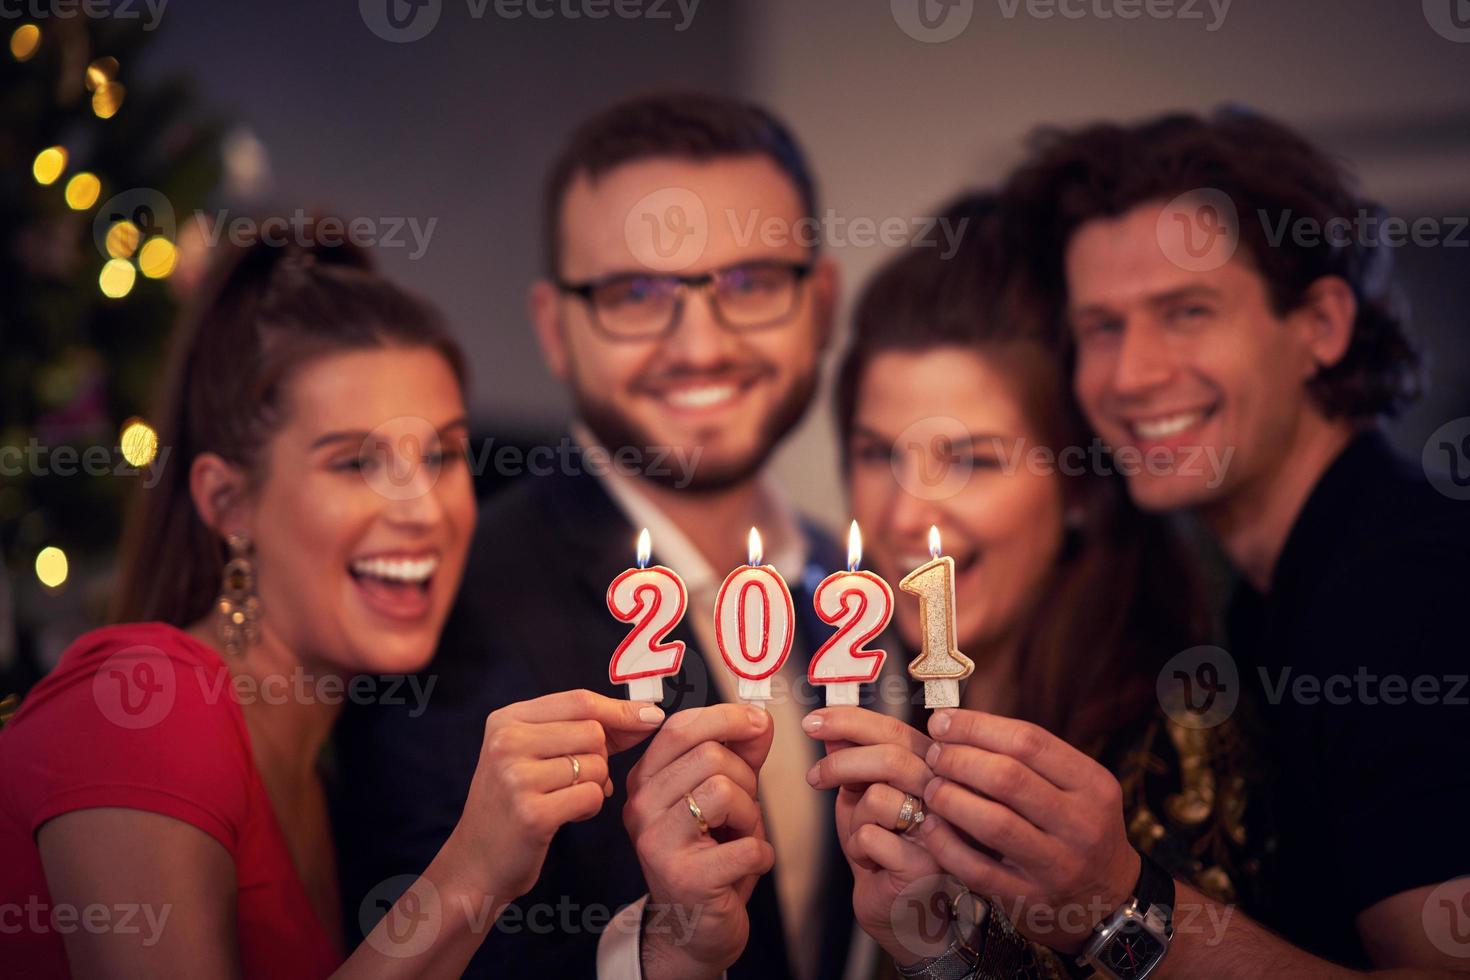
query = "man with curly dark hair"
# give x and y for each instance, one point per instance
(1223, 299)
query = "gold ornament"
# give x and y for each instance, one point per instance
(238, 605)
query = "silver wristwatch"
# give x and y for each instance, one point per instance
(961, 959)
(1132, 942)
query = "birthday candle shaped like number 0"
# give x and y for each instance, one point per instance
(753, 621)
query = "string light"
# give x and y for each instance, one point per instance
(49, 165)
(24, 42)
(117, 278)
(138, 442)
(100, 72)
(108, 99)
(51, 567)
(82, 191)
(158, 258)
(122, 240)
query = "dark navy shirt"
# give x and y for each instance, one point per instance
(1359, 656)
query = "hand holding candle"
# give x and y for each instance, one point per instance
(860, 605)
(753, 624)
(940, 665)
(654, 599)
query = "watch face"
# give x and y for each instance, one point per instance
(1131, 951)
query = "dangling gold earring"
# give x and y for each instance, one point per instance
(238, 605)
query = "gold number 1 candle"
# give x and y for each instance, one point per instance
(940, 665)
(654, 599)
(753, 624)
(859, 604)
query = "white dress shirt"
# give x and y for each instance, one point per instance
(800, 820)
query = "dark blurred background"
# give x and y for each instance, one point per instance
(445, 119)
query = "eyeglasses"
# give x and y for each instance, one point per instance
(746, 297)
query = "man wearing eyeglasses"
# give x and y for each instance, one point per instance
(687, 320)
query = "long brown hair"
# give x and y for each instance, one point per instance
(262, 312)
(1123, 597)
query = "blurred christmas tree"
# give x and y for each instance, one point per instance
(94, 166)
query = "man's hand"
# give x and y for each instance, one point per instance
(1030, 820)
(703, 878)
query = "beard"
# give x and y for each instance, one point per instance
(614, 430)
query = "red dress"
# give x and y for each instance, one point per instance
(143, 716)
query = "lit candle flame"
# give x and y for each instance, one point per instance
(645, 548)
(933, 541)
(854, 547)
(753, 547)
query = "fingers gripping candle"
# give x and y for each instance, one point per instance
(940, 665)
(753, 624)
(860, 605)
(654, 600)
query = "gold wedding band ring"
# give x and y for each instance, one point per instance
(910, 815)
(576, 769)
(697, 812)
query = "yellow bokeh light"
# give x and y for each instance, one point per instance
(138, 442)
(117, 278)
(122, 240)
(51, 567)
(49, 164)
(108, 99)
(82, 191)
(158, 258)
(25, 41)
(100, 72)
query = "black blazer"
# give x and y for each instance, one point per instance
(531, 619)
